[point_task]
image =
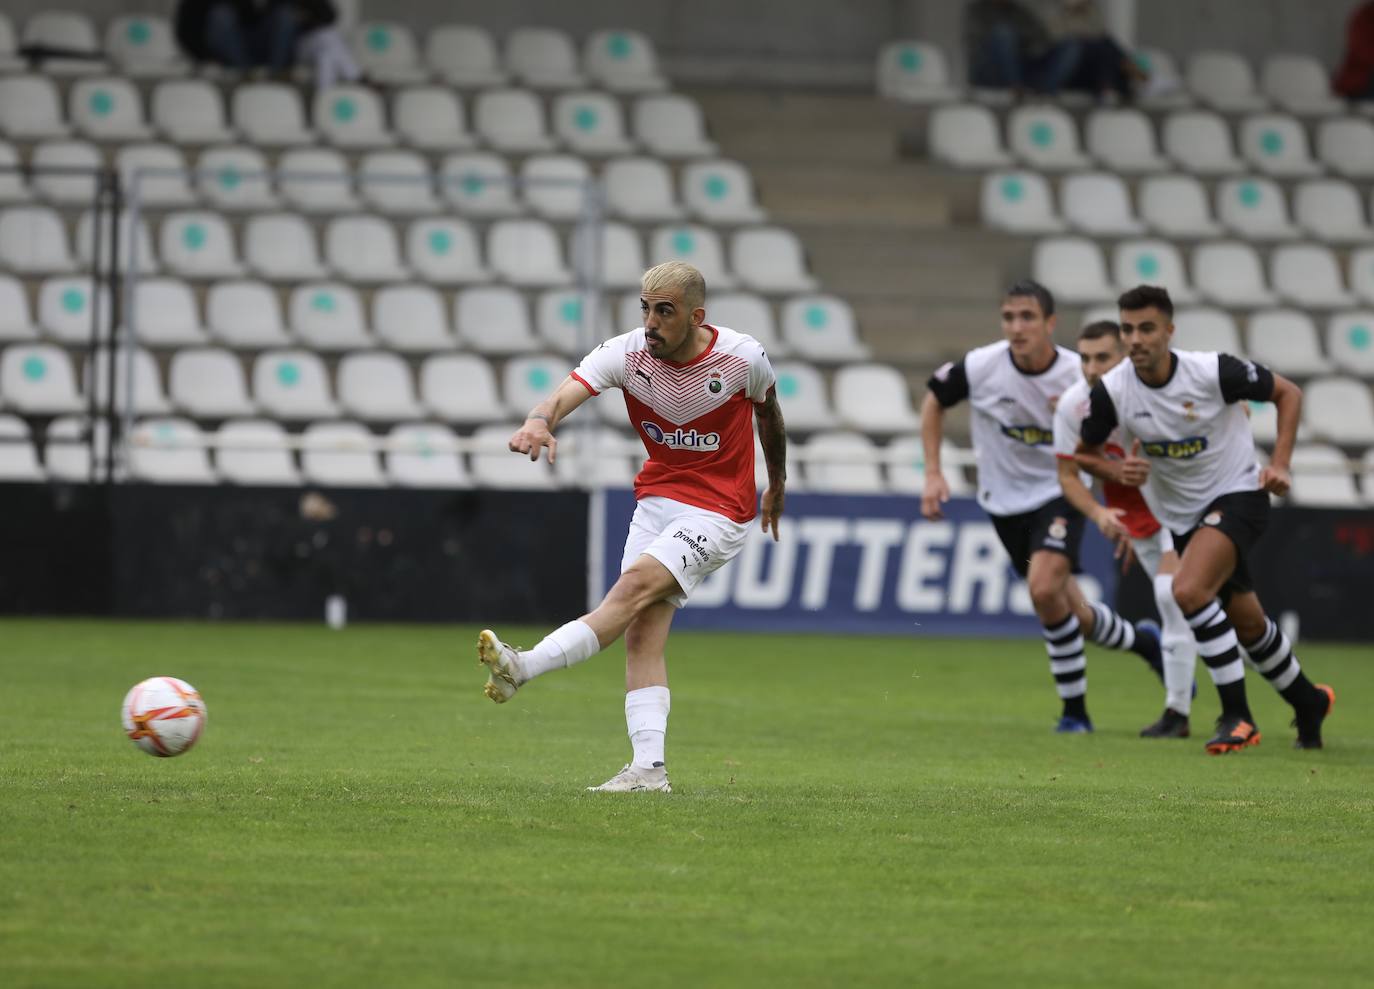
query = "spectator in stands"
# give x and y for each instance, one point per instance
(1103, 66)
(240, 34)
(322, 45)
(1009, 47)
(1355, 77)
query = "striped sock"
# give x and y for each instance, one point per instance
(1110, 629)
(1217, 645)
(1272, 656)
(1068, 664)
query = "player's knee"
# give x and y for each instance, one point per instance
(638, 590)
(1045, 591)
(1191, 595)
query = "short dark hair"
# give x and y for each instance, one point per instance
(1147, 297)
(1101, 328)
(1029, 287)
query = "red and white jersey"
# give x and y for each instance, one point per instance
(695, 419)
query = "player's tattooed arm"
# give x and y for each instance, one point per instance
(773, 439)
(537, 432)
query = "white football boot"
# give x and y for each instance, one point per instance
(503, 661)
(634, 779)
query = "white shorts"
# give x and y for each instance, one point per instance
(691, 542)
(1151, 549)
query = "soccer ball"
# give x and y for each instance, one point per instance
(163, 716)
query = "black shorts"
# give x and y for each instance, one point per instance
(1241, 517)
(1055, 526)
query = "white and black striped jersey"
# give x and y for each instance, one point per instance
(1192, 428)
(1013, 423)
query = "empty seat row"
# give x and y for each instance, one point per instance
(1227, 273)
(431, 118)
(1099, 203)
(1045, 136)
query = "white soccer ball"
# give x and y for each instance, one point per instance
(163, 716)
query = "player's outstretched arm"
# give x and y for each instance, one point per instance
(936, 490)
(537, 432)
(1108, 520)
(773, 439)
(1275, 478)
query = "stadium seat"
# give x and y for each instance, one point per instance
(1099, 203)
(1350, 342)
(1124, 141)
(9, 47)
(1322, 477)
(590, 123)
(1045, 137)
(16, 319)
(18, 457)
(65, 189)
(512, 121)
(70, 442)
(611, 408)
(245, 314)
(1073, 269)
(461, 388)
(526, 253)
(292, 385)
(671, 126)
(464, 56)
(529, 379)
(30, 109)
(559, 317)
(1176, 206)
(1200, 142)
(410, 318)
(1020, 202)
(33, 241)
(746, 312)
(914, 72)
(802, 392)
(1362, 273)
(543, 58)
(796, 481)
(351, 116)
(966, 136)
(397, 182)
(1346, 146)
(1254, 208)
(1286, 340)
(494, 466)
(84, 243)
(1308, 275)
(494, 319)
(621, 265)
(1330, 210)
(161, 173)
(1229, 274)
(629, 317)
(328, 316)
(874, 398)
(720, 191)
(270, 114)
(1264, 425)
(376, 387)
(424, 455)
(14, 185)
(190, 111)
(906, 467)
(235, 178)
(340, 454)
(67, 31)
(65, 308)
(387, 53)
(601, 459)
(1223, 81)
(623, 62)
(820, 328)
(842, 462)
(1152, 262)
(144, 46)
(364, 249)
(431, 118)
(1207, 330)
(37, 379)
(640, 189)
(146, 395)
(165, 314)
(254, 452)
(316, 180)
(1338, 410)
(1277, 145)
(199, 244)
(208, 383)
(107, 108)
(697, 245)
(281, 246)
(770, 259)
(1166, 89)
(554, 185)
(1299, 84)
(169, 451)
(479, 183)
(445, 251)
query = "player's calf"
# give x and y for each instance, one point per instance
(1273, 658)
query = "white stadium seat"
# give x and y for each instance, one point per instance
(611, 409)
(190, 111)
(512, 121)
(169, 451)
(431, 118)
(146, 394)
(16, 318)
(1200, 142)
(821, 328)
(65, 189)
(328, 316)
(14, 185)
(411, 318)
(316, 180)
(1350, 342)
(874, 398)
(1346, 146)
(281, 246)
(107, 108)
(30, 108)
(559, 315)
(543, 57)
(70, 443)
(1177, 206)
(623, 62)
(161, 173)
(1254, 208)
(445, 251)
(352, 116)
(1338, 410)
(494, 319)
(671, 126)
(68, 31)
(697, 245)
(747, 312)
(621, 265)
(1223, 80)
(1152, 262)
(526, 253)
(377, 387)
(604, 459)
(1322, 477)
(38, 379)
(591, 123)
(1362, 273)
(208, 383)
(914, 72)
(479, 184)
(423, 455)
(1165, 88)
(199, 244)
(720, 191)
(18, 457)
(1298, 83)
(1286, 340)
(143, 243)
(1229, 274)
(1073, 269)
(496, 467)
(1277, 145)
(144, 46)
(1330, 210)
(842, 462)
(397, 182)
(292, 385)
(9, 46)
(364, 249)
(770, 259)
(33, 241)
(65, 305)
(386, 52)
(340, 454)
(966, 136)
(254, 452)
(907, 467)
(1308, 275)
(1207, 329)
(464, 56)
(461, 388)
(1099, 203)
(530, 379)
(165, 314)
(1044, 136)
(235, 178)
(1124, 141)
(1020, 202)
(803, 396)
(270, 114)
(554, 184)
(640, 189)
(245, 314)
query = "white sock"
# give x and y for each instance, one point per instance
(1180, 651)
(646, 717)
(564, 646)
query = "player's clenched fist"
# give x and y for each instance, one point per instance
(1275, 480)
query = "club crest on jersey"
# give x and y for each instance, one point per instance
(1190, 411)
(1030, 435)
(714, 383)
(681, 439)
(1184, 449)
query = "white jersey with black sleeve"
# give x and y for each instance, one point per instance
(1193, 428)
(1012, 423)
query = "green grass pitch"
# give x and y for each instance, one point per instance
(847, 811)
